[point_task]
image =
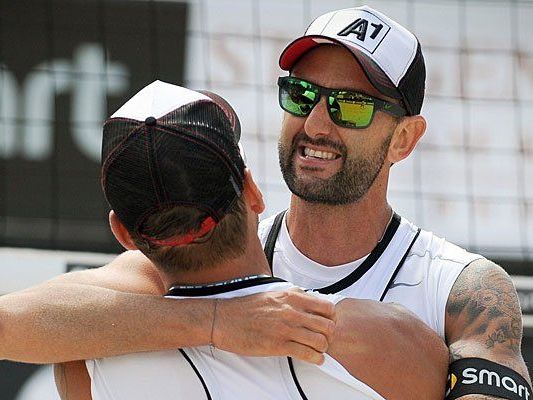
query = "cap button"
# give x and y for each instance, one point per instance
(150, 121)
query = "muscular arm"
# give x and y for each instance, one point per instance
(390, 349)
(73, 381)
(118, 309)
(483, 319)
(88, 314)
(383, 345)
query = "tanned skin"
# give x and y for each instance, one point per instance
(483, 319)
(73, 381)
(354, 344)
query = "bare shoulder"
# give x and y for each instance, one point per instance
(134, 269)
(131, 262)
(131, 272)
(483, 316)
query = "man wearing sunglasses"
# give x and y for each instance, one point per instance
(352, 103)
(195, 217)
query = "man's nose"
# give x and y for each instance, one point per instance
(318, 122)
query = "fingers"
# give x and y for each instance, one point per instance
(314, 314)
(312, 304)
(318, 324)
(289, 323)
(317, 341)
(305, 353)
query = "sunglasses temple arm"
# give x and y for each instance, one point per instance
(390, 108)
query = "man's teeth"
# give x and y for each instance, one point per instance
(319, 154)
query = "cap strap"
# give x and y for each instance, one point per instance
(207, 225)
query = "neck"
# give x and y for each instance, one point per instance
(252, 262)
(336, 235)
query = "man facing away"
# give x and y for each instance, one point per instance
(177, 185)
(352, 105)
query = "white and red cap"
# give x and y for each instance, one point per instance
(389, 54)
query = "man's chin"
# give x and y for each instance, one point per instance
(320, 198)
(312, 191)
(322, 191)
(308, 176)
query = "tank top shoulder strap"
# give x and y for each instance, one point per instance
(272, 237)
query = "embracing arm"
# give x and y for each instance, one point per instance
(119, 309)
(88, 314)
(483, 319)
(73, 381)
(390, 349)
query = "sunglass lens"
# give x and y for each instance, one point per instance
(353, 111)
(297, 97)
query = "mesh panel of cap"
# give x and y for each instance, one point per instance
(190, 157)
(115, 131)
(128, 181)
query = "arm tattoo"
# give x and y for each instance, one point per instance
(483, 306)
(483, 318)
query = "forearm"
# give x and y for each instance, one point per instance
(94, 313)
(62, 322)
(392, 340)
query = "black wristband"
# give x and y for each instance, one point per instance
(480, 376)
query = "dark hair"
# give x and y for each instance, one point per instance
(226, 241)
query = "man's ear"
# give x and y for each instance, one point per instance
(252, 194)
(120, 232)
(405, 137)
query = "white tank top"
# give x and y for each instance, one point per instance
(408, 266)
(209, 373)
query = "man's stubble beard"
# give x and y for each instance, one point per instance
(348, 185)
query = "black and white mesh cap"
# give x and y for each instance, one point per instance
(389, 54)
(170, 146)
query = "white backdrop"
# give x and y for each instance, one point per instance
(471, 178)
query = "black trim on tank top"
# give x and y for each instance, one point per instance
(400, 265)
(197, 373)
(369, 262)
(272, 237)
(221, 287)
(295, 379)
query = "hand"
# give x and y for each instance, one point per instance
(290, 323)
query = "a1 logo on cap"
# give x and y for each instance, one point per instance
(367, 32)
